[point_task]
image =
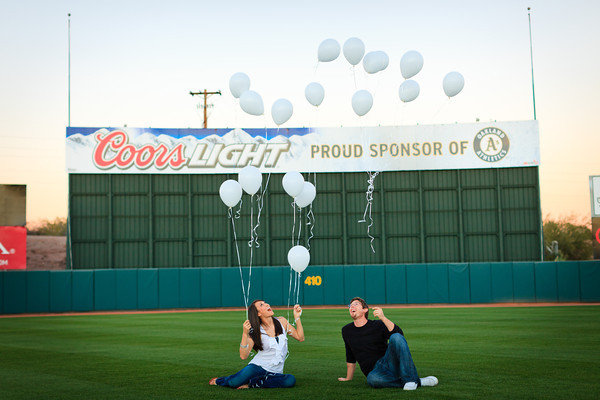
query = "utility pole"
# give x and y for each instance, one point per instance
(206, 95)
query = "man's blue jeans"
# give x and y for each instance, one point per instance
(257, 377)
(396, 367)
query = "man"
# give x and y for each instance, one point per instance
(384, 365)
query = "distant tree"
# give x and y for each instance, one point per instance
(574, 239)
(56, 227)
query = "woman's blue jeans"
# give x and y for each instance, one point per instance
(257, 377)
(396, 367)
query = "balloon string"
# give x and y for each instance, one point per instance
(260, 201)
(369, 206)
(238, 213)
(294, 221)
(298, 290)
(237, 250)
(289, 295)
(250, 244)
(310, 216)
(299, 225)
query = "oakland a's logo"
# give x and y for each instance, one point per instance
(491, 144)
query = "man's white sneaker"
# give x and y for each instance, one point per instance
(429, 381)
(410, 386)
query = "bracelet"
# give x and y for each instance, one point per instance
(243, 346)
(297, 319)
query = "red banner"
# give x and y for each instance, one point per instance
(13, 247)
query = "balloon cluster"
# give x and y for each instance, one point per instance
(303, 194)
(250, 181)
(251, 102)
(373, 62)
(411, 64)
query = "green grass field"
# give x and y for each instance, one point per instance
(477, 353)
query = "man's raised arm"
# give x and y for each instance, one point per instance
(378, 312)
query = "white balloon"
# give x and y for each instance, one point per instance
(362, 101)
(354, 50)
(230, 192)
(250, 179)
(238, 84)
(329, 50)
(453, 83)
(411, 64)
(382, 60)
(314, 93)
(293, 183)
(409, 90)
(370, 63)
(281, 111)
(307, 195)
(252, 103)
(375, 61)
(298, 258)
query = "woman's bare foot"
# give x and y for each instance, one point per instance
(243, 387)
(213, 381)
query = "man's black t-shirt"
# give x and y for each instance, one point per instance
(367, 344)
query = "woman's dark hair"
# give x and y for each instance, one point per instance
(255, 324)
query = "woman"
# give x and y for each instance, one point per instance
(268, 337)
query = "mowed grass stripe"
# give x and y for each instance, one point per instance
(492, 353)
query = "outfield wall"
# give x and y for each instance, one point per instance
(145, 289)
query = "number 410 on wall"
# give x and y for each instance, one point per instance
(313, 280)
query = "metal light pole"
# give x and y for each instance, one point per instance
(531, 54)
(69, 78)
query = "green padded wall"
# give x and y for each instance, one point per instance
(38, 291)
(83, 290)
(481, 283)
(416, 284)
(144, 289)
(15, 292)
(126, 287)
(438, 280)
(502, 282)
(375, 288)
(459, 283)
(210, 287)
(61, 291)
(189, 288)
(273, 289)
(395, 284)
(147, 289)
(168, 288)
(524, 282)
(313, 294)
(2, 292)
(354, 282)
(546, 286)
(590, 280)
(333, 279)
(105, 290)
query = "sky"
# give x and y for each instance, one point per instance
(133, 63)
